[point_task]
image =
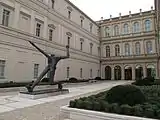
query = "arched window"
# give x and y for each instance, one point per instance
(147, 25)
(107, 51)
(127, 49)
(125, 29)
(117, 50)
(116, 30)
(138, 48)
(107, 32)
(149, 47)
(136, 27)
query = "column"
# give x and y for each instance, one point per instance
(16, 15)
(144, 71)
(122, 73)
(32, 30)
(133, 72)
(112, 73)
(45, 30)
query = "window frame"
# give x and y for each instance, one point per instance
(117, 50)
(36, 71)
(2, 67)
(137, 48)
(4, 23)
(108, 51)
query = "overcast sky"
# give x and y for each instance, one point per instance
(104, 8)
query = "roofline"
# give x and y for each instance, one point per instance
(81, 12)
(114, 18)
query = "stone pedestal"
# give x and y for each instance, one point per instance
(43, 93)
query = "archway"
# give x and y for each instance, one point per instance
(151, 71)
(139, 72)
(117, 73)
(128, 73)
(108, 73)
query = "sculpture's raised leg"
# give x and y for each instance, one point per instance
(31, 87)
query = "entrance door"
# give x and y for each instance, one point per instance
(108, 73)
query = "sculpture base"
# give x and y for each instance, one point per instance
(43, 93)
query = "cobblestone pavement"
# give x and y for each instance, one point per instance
(50, 110)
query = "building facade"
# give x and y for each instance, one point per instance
(51, 25)
(129, 46)
(125, 47)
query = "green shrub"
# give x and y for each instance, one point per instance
(149, 113)
(104, 105)
(88, 105)
(97, 78)
(96, 106)
(146, 81)
(73, 80)
(125, 94)
(126, 109)
(115, 108)
(72, 103)
(80, 104)
(138, 110)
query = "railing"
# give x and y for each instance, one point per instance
(154, 55)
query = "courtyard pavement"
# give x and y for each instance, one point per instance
(13, 107)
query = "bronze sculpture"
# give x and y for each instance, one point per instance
(51, 67)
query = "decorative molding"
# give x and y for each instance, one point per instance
(69, 34)
(82, 17)
(81, 39)
(52, 26)
(69, 8)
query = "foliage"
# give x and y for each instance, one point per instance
(98, 102)
(125, 94)
(97, 78)
(146, 81)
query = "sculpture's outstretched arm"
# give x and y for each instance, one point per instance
(68, 54)
(40, 50)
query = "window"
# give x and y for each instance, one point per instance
(68, 72)
(38, 29)
(147, 25)
(69, 14)
(52, 2)
(36, 67)
(125, 29)
(149, 47)
(91, 46)
(136, 27)
(91, 26)
(98, 72)
(127, 49)
(98, 48)
(81, 47)
(5, 19)
(107, 51)
(50, 34)
(117, 50)
(81, 23)
(116, 30)
(138, 48)
(2, 68)
(68, 40)
(81, 73)
(107, 32)
(90, 73)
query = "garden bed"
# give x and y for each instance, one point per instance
(149, 109)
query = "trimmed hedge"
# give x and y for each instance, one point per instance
(125, 94)
(148, 81)
(98, 102)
